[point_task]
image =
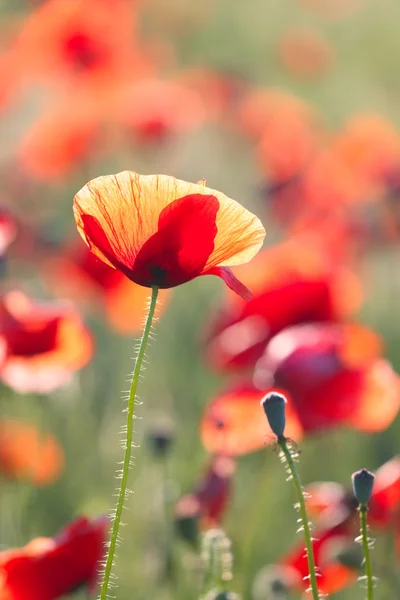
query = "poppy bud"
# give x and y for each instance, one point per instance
(187, 516)
(274, 407)
(363, 482)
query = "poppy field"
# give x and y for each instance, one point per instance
(199, 337)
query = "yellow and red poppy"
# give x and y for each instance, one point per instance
(44, 343)
(47, 568)
(160, 231)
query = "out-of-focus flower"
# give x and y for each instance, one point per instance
(60, 140)
(93, 40)
(8, 230)
(264, 110)
(294, 282)
(233, 424)
(334, 376)
(79, 274)
(329, 501)
(161, 231)
(29, 454)
(210, 498)
(305, 52)
(329, 546)
(155, 110)
(44, 343)
(47, 568)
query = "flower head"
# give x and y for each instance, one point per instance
(48, 568)
(161, 231)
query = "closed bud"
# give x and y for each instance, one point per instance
(274, 407)
(363, 482)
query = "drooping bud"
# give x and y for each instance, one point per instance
(274, 408)
(363, 482)
(225, 595)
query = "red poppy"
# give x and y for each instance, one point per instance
(211, 496)
(161, 231)
(294, 282)
(327, 501)
(156, 110)
(334, 376)
(305, 52)
(263, 110)
(26, 453)
(45, 343)
(62, 139)
(8, 231)
(95, 39)
(328, 545)
(83, 276)
(233, 423)
(47, 568)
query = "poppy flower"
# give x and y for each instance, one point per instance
(8, 230)
(156, 110)
(28, 454)
(60, 140)
(211, 496)
(160, 231)
(329, 546)
(305, 52)
(327, 501)
(79, 274)
(334, 375)
(44, 343)
(294, 282)
(47, 568)
(233, 424)
(76, 40)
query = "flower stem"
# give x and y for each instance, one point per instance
(128, 448)
(365, 546)
(282, 441)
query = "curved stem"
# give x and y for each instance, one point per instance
(128, 449)
(282, 441)
(365, 546)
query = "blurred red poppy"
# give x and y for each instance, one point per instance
(328, 545)
(233, 423)
(294, 282)
(47, 568)
(211, 496)
(334, 376)
(8, 230)
(161, 231)
(61, 139)
(44, 343)
(29, 454)
(305, 52)
(155, 110)
(328, 502)
(79, 274)
(76, 39)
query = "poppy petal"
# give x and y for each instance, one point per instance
(231, 281)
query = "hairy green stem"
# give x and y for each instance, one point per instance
(282, 441)
(365, 546)
(128, 449)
